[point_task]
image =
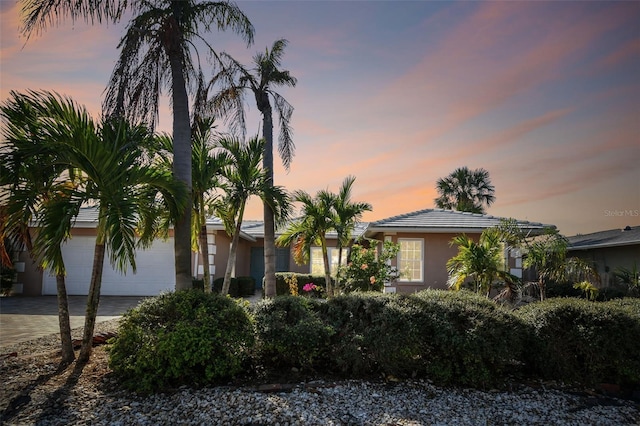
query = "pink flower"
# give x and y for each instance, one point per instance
(364, 266)
(309, 287)
(372, 279)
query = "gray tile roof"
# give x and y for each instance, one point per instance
(439, 220)
(611, 238)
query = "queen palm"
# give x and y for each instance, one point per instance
(481, 262)
(34, 193)
(347, 214)
(465, 190)
(156, 52)
(245, 178)
(317, 218)
(261, 81)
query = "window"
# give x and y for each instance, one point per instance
(410, 259)
(317, 264)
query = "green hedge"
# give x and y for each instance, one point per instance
(282, 287)
(238, 287)
(580, 341)
(182, 338)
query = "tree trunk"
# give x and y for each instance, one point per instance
(327, 271)
(93, 300)
(232, 253)
(204, 250)
(269, 221)
(63, 319)
(339, 265)
(181, 167)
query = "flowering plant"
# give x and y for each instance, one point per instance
(367, 269)
(313, 290)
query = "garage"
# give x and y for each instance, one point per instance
(155, 270)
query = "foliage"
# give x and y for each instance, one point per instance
(289, 333)
(292, 281)
(367, 270)
(579, 341)
(182, 338)
(238, 287)
(630, 278)
(465, 190)
(590, 291)
(283, 287)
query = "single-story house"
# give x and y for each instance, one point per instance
(608, 250)
(423, 237)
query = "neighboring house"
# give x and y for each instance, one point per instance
(608, 250)
(424, 237)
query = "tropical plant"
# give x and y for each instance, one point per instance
(156, 52)
(481, 262)
(237, 80)
(630, 278)
(316, 219)
(367, 270)
(465, 190)
(35, 192)
(244, 178)
(348, 214)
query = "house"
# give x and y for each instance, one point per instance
(608, 250)
(423, 237)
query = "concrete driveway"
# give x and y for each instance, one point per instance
(26, 318)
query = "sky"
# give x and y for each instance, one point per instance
(543, 95)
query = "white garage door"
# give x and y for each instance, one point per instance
(155, 270)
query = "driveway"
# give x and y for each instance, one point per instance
(26, 318)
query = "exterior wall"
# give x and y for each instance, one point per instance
(608, 259)
(436, 253)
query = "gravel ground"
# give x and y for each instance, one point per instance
(35, 392)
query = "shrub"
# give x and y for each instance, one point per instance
(289, 333)
(586, 342)
(238, 287)
(283, 279)
(186, 337)
(368, 271)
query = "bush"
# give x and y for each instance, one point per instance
(367, 270)
(289, 333)
(586, 342)
(186, 337)
(452, 338)
(282, 286)
(238, 287)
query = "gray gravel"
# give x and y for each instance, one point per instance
(315, 403)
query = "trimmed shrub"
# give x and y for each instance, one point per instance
(186, 337)
(585, 342)
(289, 333)
(238, 287)
(282, 286)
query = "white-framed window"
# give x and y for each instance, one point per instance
(411, 259)
(317, 264)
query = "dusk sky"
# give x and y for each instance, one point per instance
(544, 95)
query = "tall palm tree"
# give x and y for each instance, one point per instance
(115, 176)
(482, 262)
(261, 82)
(465, 190)
(156, 52)
(35, 193)
(347, 214)
(317, 218)
(245, 178)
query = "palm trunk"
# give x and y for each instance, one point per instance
(327, 272)
(63, 319)
(269, 222)
(204, 251)
(232, 252)
(339, 265)
(181, 166)
(93, 301)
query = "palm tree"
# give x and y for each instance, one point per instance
(156, 52)
(245, 178)
(465, 190)
(482, 262)
(35, 193)
(261, 81)
(317, 218)
(347, 214)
